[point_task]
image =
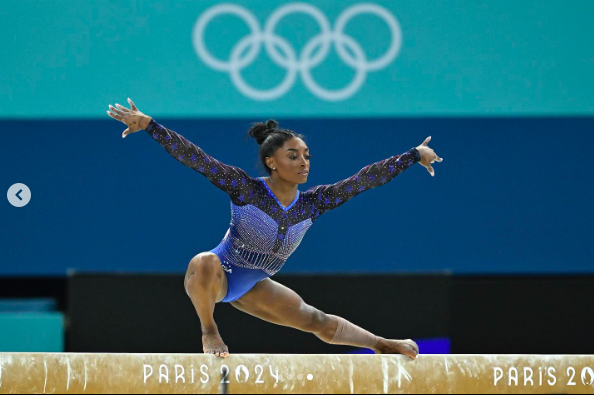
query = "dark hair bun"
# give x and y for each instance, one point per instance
(261, 130)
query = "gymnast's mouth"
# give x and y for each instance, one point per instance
(306, 172)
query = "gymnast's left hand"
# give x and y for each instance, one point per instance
(428, 156)
(134, 119)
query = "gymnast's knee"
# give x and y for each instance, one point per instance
(203, 269)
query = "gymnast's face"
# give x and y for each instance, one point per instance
(291, 161)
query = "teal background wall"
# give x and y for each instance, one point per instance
(457, 58)
(31, 332)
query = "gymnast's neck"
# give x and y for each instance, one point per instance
(284, 190)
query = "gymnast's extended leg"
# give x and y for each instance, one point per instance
(273, 302)
(206, 285)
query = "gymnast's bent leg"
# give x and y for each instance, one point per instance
(275, 303)
(206, 285)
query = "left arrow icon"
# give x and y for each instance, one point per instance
(19, 195)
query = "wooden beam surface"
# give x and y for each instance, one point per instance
(185, 373)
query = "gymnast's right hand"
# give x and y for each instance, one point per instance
(134, 119)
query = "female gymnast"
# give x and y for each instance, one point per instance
(269, 218)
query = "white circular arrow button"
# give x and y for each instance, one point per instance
(19, 195)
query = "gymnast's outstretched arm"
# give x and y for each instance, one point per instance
(328, 197)
(233, 180)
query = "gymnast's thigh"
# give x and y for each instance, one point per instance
(275, 303)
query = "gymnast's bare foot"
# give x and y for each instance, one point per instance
(212, 343)
(404, 347)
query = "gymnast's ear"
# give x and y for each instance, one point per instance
(270, 163)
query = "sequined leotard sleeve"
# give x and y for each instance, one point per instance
(233, 180)
(328, 197)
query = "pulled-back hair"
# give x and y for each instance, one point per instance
(270, 138)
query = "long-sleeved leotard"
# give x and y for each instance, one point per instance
(263, 233)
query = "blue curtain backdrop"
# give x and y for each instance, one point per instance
(512, 195)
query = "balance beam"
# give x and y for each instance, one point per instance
(383, 374)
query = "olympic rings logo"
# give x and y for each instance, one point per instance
(288, 59)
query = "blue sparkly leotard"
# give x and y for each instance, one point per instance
(263, 233)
